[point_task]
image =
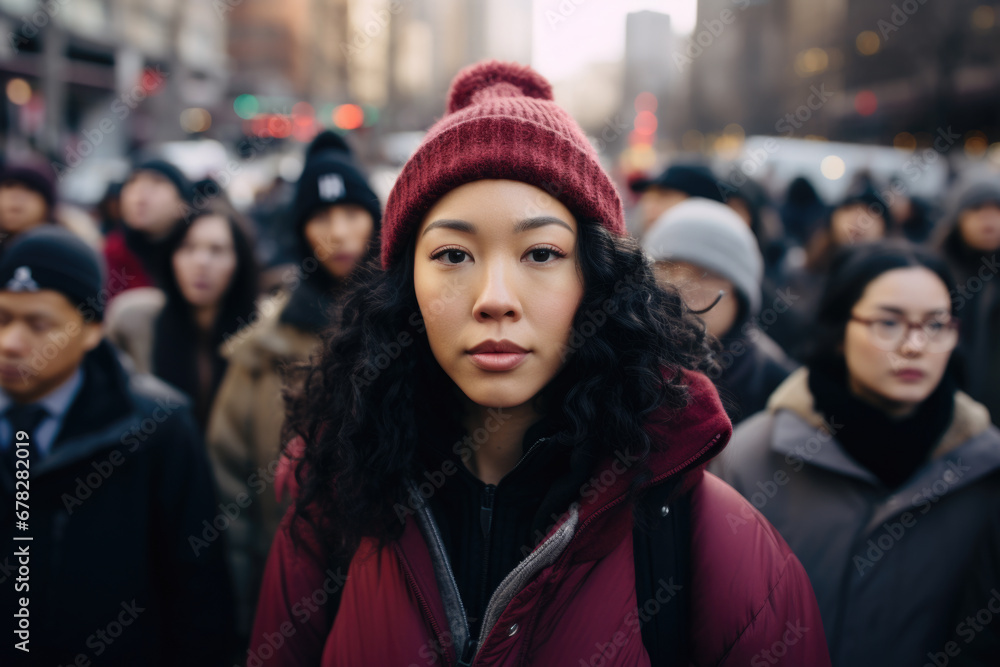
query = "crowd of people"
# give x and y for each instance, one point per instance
(238, 455)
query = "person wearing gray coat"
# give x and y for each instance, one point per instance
(881, 475)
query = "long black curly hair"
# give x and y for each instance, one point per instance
(375, 387)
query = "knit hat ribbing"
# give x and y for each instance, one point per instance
(501, 123)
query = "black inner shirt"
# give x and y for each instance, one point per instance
(489, 529)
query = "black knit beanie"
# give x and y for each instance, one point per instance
(184, 186)
(51, 258)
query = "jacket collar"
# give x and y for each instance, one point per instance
(800, 432)
(682, 442)
(98, 416)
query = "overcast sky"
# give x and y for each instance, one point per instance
(585, 31)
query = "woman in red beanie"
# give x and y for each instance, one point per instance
(499, 459)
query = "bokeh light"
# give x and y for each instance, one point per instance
(983, 17)
(646, 101)
(18, 91)
(865, 103)
(246, 106)
(868, 43)
(976, 144)
(348, 116)
(833, 167)
(195, 120)
(904, 141)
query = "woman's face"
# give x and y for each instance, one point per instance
(498, 283)
(854, 223)
(21, 208)
(205, 261)
(339, 236)
(899, 377)
(980, 227)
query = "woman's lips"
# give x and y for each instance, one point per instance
(910, 375)
(498, 361)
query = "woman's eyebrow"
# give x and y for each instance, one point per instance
(457, 225)
(522, 226)
(540, 221)
(900, 311)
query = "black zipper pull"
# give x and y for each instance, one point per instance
(486, 511)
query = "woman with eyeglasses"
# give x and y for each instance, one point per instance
(883, 477)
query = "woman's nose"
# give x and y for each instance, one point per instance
(497, 297)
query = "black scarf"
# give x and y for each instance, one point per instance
(315, 303)
(892, 449)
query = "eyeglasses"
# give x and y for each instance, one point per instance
(888, 332)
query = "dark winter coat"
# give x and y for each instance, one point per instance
(889, 567)
(117, 572)
(571, 601)
(751, 367)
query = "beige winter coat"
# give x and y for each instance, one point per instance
(243, 442)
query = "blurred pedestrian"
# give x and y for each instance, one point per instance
(880, 474)
(27, 201)
(970, 241)
(154, 199)
(109, 210)
(862, 216)
(335, 217)
(209, 293)
(751, 201)
(119, 482)
(705, 250)
(802, 211)
(471, 437)
(913, 216)
(676, 183)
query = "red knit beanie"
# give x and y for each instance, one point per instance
(501, 123)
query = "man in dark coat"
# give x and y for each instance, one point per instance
(111, 535)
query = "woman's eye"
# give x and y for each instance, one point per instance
(544, 255)
(451, 256)
(889, 324)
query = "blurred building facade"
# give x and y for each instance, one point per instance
(433, 39)
(855, 70)
(88, 61)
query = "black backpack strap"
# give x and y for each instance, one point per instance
(661, 542)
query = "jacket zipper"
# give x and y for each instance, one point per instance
(486, 524)
(421, 601)
(486, 510)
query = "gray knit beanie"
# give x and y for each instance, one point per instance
(714, 237)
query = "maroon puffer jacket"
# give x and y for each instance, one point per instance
(573, 601)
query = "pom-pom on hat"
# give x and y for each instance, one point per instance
(501, 123)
